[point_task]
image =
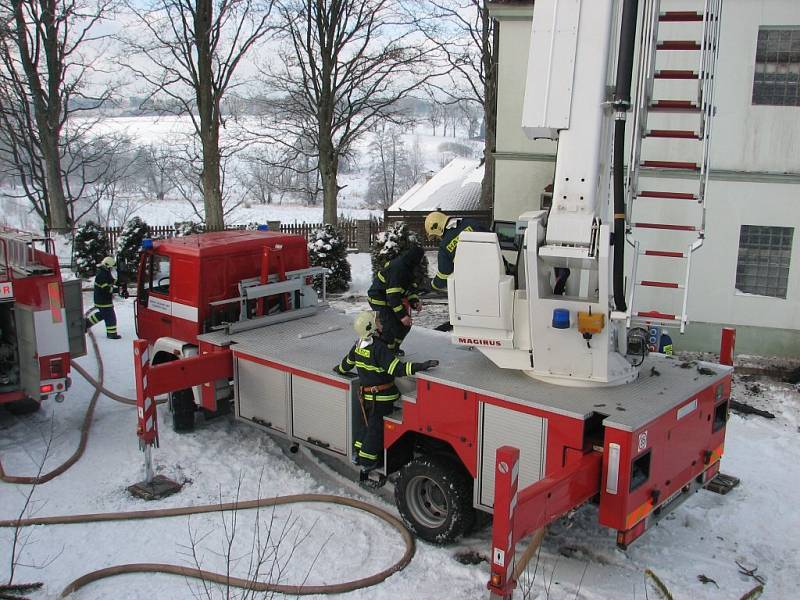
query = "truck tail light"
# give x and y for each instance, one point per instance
(56, 368)
(46, 388)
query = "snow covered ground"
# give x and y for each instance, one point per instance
(756, 524)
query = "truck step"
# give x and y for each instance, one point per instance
(722, 484)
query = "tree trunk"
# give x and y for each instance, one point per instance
(47, 107)
(490, 45)
(330, 186)
(208, 112)
(212, 193)
(56, 200)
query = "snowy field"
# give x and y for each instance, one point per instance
(169, 132)
(757, 524)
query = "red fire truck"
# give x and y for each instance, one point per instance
(41, 322)
(233, 315)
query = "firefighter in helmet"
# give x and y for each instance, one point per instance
(393, 293)
(104, 286)
(440, 227)
(377, 367)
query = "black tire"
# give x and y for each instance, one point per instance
(434, 497)
(181, 404)
(24, 407)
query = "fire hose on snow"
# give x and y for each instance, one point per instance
(195, 572)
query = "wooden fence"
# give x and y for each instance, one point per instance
(416, 220)
(349, 228)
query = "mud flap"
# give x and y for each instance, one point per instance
(73, 303)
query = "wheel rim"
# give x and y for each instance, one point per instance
(427, 502)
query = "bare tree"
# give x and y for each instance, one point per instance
(21, 538)
(46, 62)
(193, 49)
(266, 556)
(344, 65)
(390, 174)
(464, 33)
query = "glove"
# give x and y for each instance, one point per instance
(429, 364)
(348, 374)
(123, 292)
(406, 321)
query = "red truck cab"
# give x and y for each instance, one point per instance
(172, 303)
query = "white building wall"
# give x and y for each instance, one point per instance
(755, 173)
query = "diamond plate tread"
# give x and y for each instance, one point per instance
(664, 383)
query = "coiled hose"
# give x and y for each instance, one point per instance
(191, 572)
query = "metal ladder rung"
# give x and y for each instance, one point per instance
(675, 74)
(680, 16)
(670, 164)
(678, 45)
(674, 106)
(668, 226)
(656, 315)
(660, 284)
(676, 134)
(663, 253)
(667, 195)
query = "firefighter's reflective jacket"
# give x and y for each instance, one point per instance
(447, 250)
(377, 367)
(104, 283)
(395, 281)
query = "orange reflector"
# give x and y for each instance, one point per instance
(495, 579)
(48, 387)
(390, 426)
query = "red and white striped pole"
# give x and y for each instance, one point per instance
(506, 480)
(147, 428)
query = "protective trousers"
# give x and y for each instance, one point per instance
(393, 331)
(107, 314)
(370, 450)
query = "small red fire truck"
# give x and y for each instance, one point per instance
(41, 322)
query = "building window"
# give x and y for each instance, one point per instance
(776, 80)
(764, 254)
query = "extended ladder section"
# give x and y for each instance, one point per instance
(18, 257)
(669, 161)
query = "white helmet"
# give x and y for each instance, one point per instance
(108, 262)
(365, 324)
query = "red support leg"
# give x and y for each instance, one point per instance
(727, 346)
(506, 479)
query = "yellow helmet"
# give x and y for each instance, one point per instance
(108, 262)
(435, 223)
(365, 324)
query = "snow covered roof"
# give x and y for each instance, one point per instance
(456, 187)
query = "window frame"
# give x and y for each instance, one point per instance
(764, 260)
(777, 50)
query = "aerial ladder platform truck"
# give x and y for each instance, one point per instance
(541, 401)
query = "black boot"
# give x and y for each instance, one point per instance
(113, 336)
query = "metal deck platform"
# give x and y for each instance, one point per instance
(319, 342)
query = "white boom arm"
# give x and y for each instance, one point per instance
(570, 339)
